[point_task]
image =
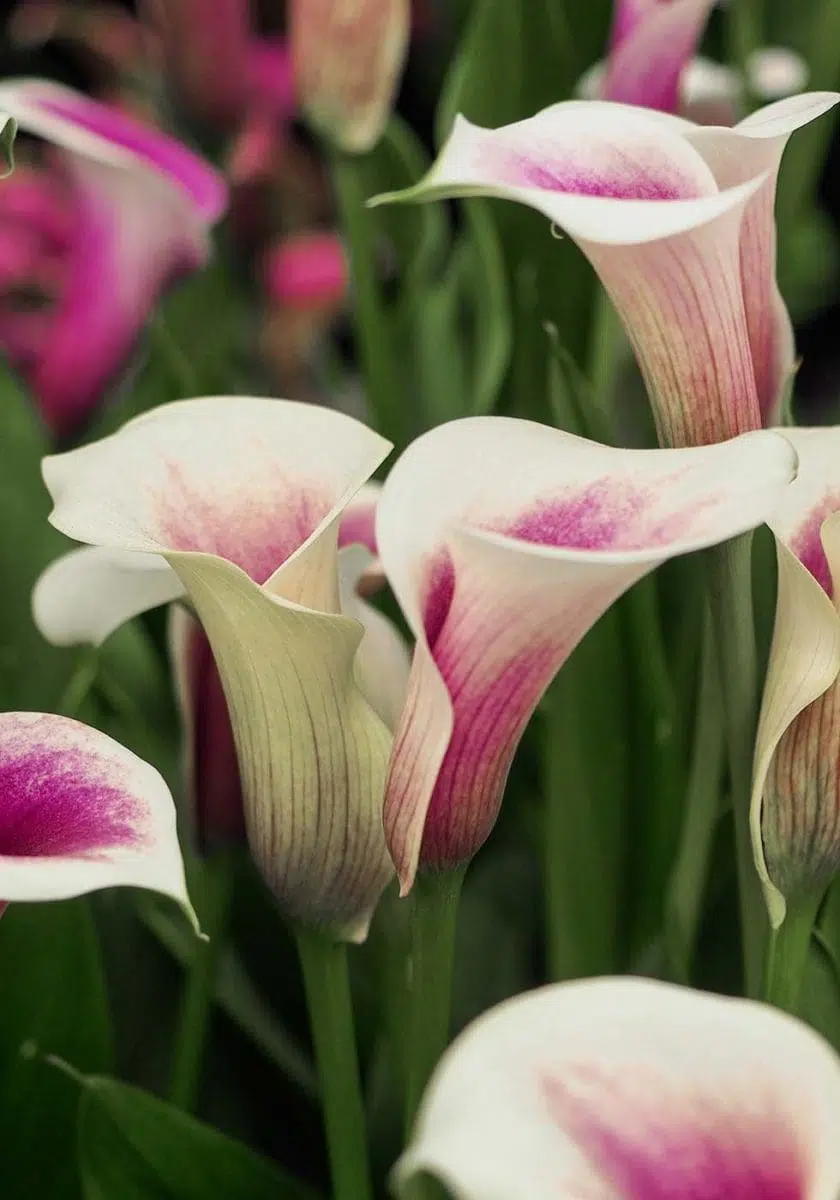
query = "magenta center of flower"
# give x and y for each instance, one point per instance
(658, 1153)
(54, 803)
(614, 184)
(255, 535)
(807, 545)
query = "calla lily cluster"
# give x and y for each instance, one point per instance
(677, 220)
(97, 231)
(237, 505)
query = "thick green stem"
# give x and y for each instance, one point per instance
(787, 956)
(582, 877)
(327, 984)
(385, 397)
(605, 338)
(702, 811)
(732, 614)
(197, 1004)
(434, 918)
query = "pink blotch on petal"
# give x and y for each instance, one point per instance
(807, 545)
(251, 533)
(682, 1149)
(575, 181)
(603, 516)
(439, 592)
(59, 803)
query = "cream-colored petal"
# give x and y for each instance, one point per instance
(313, 754)
(383, 661)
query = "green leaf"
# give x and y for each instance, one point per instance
(52, 1002)
(133, 1146)
(32, 674)
(237, 996)
(489, 307)
(8, 130)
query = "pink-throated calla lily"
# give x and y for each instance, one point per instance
(796, 792)
(236, 501)
(211, 769)
(626, 1088)
(677, 220)
(504, 541)
(97, 230)
(79, 812)
(347, 57)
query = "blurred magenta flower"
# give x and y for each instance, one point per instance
(79, 812)
(651, 44)
(348, 56)
(796, 793)
(306, 270)
(677, 220)
(235, 503)
(631, 1088)
(89, 239)
(504, 542)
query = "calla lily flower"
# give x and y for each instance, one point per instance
(796, 792)
(79, 812)
(348, 56)
(236, 503)
(115, 214)
(677, 220)
(211, 768)
(504, 542)
(630, 1088)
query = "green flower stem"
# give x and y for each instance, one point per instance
(659, 759)
(199, 990)
(584, 815)
(744, 35)
(434, 917)
(327, 984)
(787, 955)
(379, 365)
(689, 877)
(732, 614)
(605, 339)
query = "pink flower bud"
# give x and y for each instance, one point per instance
(306, 271)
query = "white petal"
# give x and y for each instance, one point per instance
(246, 478)
(86, 594)
(627, 1088)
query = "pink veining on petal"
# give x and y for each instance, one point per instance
(201, 183)
(807, 545)
(438, 594)
(606, 515)
(652, 1146)
(57, 802)
(251, 533)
